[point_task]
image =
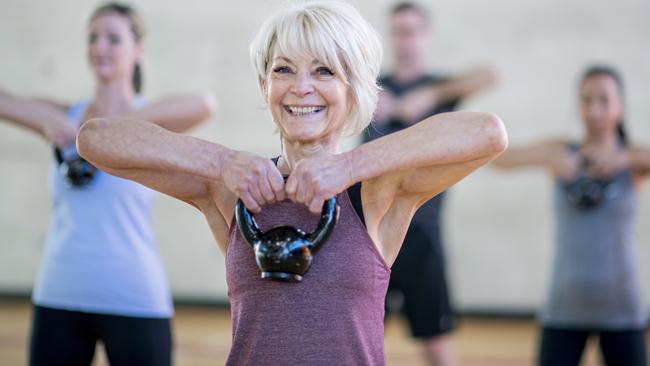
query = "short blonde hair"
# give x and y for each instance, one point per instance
(335, 34)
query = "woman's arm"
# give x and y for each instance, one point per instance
(178, 113)
(639, 160)
(206, 175)
(181, 166)
(552, 155)
(171, 163)
(606, 163)
(41, 117)
(423, 160)
(417, 162)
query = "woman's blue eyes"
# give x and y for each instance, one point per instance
(281, 70)
(321, 71)
(324, 71)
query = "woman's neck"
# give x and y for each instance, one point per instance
(605, 141)
(113, 98)
(294, 151)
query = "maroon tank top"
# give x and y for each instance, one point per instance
(335, 316)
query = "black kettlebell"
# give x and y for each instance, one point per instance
(285, 253)
(76, 170)
(586, 193)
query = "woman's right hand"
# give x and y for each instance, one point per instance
(254, 179)
(60, 132)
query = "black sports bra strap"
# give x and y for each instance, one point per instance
(354, 192)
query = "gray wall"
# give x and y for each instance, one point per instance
(498, 225)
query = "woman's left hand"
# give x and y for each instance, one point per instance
(315, 180)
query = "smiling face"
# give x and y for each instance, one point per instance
(112, 48)
(308, 101)
(601, 105)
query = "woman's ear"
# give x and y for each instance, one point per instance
(265, 90)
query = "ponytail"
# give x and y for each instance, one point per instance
(137, 78)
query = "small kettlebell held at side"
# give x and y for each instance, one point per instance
(285, 253)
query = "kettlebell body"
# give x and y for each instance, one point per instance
(77, 171)
(587, 193)
(286, 253)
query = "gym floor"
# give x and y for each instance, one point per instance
(202, 337)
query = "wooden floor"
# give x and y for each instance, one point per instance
(202, 337)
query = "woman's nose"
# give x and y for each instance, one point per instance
(302, 85)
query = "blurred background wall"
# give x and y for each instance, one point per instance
(499, 226)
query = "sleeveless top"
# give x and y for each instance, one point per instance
(100, 255)
(595, 282)
(335, 316)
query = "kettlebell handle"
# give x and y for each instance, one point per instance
(252, 233)
(58, 155)
(328, 219)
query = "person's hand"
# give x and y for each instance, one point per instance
(60, 132)
(254, 179)
(315, 180)
(415, 105)
(605, 163)
(565, 165)
(386, 107)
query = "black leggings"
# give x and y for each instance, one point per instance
(68, 338)
(564, 347)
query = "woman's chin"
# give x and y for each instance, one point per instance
(103, 72)
(303, 136)
(303, 131)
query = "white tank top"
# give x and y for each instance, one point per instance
(100, 254)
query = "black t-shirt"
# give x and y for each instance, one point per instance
(376, 130)
(427, 216)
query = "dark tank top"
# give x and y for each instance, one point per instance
(335, 316)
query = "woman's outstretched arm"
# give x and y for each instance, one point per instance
(178, 113)
(417, 162)
(40, 117)
(181, 166)
(206, 175)
(425, 159)
(552, 155)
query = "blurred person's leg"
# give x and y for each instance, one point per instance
(562, 347)
(624, 348)
(136, 341)
(419, 272)
(440, 351)
(61, 338)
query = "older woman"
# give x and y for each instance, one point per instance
(317, 64)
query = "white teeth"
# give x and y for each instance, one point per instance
(301, 111)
